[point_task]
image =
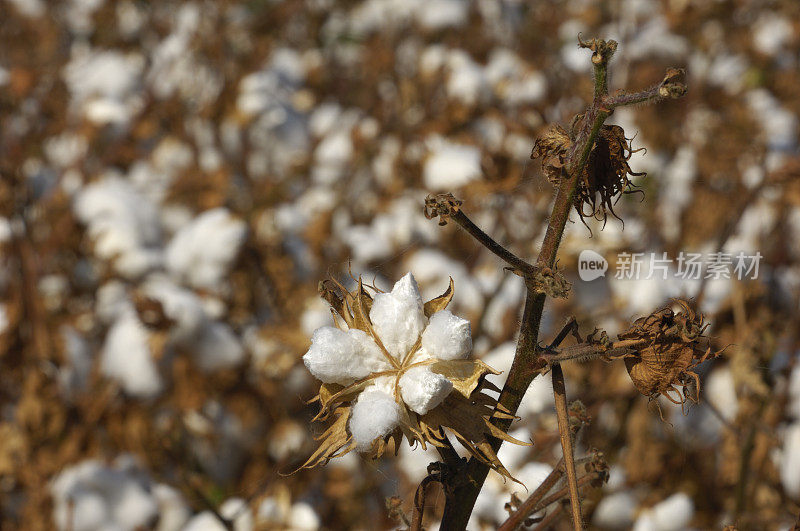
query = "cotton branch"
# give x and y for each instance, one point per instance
(530, 360)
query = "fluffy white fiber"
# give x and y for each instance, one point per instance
(126, 358)
(374, 415)
(397, 316)
(201, 252)
(343, 357)
(423, 389)
(447, 337)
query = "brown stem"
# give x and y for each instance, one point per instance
(507, 256)
(560, 394)
(516, 519)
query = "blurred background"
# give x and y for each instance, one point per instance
(177, 177)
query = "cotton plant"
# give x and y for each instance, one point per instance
(395, 367)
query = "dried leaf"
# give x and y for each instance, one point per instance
(440, 303)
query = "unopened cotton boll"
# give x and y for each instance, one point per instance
(374, 415)
(343, 357)
(447, 337)
(397, 316)
(423, 389)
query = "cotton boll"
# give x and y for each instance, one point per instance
(451, 166)
(790, 461)
(205, 521)
(720, 391)
(236, 509)
(374, 415)
(126, 358)
(133, 507)
(217, 347)
(181, 305)
(89, 512)
(397, 317)
(201, 253)
(423, 390)
(123, 225)
(447, 337)
(303, 517)
(672, 514)
(615, 511)
(172, 509)
(336, 356)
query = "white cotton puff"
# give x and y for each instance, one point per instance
(303, 518)
(790, 460)
(201, 252)
(126, 358)
(447, 337)
(217, 347)
(398, 317)
(423, 389)
(672, 514)
(374, 415)
(615, 511)
(343, 357)
(236, 509)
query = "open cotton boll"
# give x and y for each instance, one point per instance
(303, 518)
(672, 514)
(126, 358)
(201, 252)
(615, 511)
(236, 509)
(217, 347)
(397, 316)
(423, 389)
(790, 460)
(447, 337)
(336, 356)
(374, 415)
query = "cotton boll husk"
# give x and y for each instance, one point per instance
(397, 316)
(336, 356)
(202, 252)
(615, 511)
(374, 415)
(423, 390)
(126, 358)
(447, 337)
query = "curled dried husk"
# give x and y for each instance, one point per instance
(606, 175)
(671, 346)
(465, 413)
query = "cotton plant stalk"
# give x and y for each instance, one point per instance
(397, 367)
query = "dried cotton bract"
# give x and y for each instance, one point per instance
(398, 367)
(670, 346)
(606, 174)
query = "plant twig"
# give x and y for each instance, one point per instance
(560, 395)
(516, 519)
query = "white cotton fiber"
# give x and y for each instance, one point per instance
(217, 347)
(303, 518)
(397, 316)
(343, 357)
(236, 509)
(672, 514)
(201, 252)
(790, 461)
(423, 390)
(133, 507)
(123, 225)
(374, 415)
(447, 337)
(451, 165)
(126, 358)
(615, 511)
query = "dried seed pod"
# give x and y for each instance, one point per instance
(606, 175)
(671, 345)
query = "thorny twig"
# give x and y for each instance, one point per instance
(527, 362)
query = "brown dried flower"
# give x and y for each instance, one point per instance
(666, 347)
(606, 174)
